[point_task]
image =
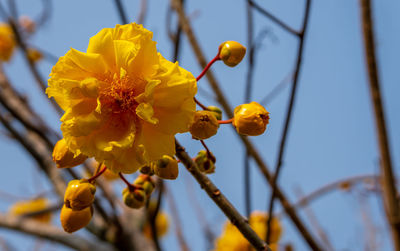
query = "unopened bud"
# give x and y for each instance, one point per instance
(34, 55)
(73, 220)
(7, 42)
(205, 162)
(204, 125)
(27, 24)
(166, 167)
(79, 194)
(134, 199)
(231, 52)
(250, 119)
(22, 208)
(64, 158)
(146, 182)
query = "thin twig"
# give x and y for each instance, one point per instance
(288, 118)
(142, 12)
(186, 27)
(273, 18)
(219, 199)
(276, 90)
(391, 202)
(121, 11)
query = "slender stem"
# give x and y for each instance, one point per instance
(215, 59)
(227, 121)
(205, 146)
(98, 174)
(121, 11)
(131, 187)
(262, 166)
(222, 202)
(288, 116)
(152, 216)
(200, 104)
(391, 202)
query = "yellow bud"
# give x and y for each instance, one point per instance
(205, 162)
(73, 220)
(79, 194)
(146, 169)
(64, 158)
(27, 24)
(217, 112)
(204, 125)
(134, 199)
(7, 42)
(146, 182)
(162, 224)
(166, 167)
(250, 119)
(31, 206)
(231, 52)
(34, 55)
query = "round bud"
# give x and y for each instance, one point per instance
(231, 52)
(27, 24)
(146, 182)
(162, 225)
(34, 55)
(7, 44)
(21, 208)
(73, 220)
(64, 158)
(250, 119)
(217, 112)
(79, 194)
(134, 199)
(204, 125)
(166, 167)
(205, 162)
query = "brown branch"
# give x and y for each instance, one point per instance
(288, 118)
(249, 146)
(219, 199)
(388, 179)
(121, 11)
(49, 232)
(142, 12)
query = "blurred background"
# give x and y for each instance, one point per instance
(331, 136)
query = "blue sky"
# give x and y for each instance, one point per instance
(332, 132)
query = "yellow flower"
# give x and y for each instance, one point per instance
(123, 101)
(250, 119)
(31, 206)
(231, 239)
(7, 42)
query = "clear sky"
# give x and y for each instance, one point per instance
(332, 132)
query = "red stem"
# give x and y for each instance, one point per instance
(94, 177)
(131, 187)
(200, 104)
(228, 121)
(207, 67)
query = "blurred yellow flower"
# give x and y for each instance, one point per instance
(31, 206)
(7, 42)
(162, 224)
(123, 101)
(231, 239)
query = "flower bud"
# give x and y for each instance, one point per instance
(73, 220)
(231, 52)
(162, 224)
(217, 112)
(204, 125)
(146, 182)
(250, 119)
(64, 158)
(79, 194)
(34, 55)
(166, 167)
(32, 206)
(205, 162)
(134, 199)
(7, 42)
(146, 169)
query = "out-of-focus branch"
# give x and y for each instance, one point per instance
(51, 233)
(391, 202)
(142, 12)
(121, 11)
(219, 199)
(176, 219)
(249, 146)
(277, 89)
(282, 145)
(273, 18)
